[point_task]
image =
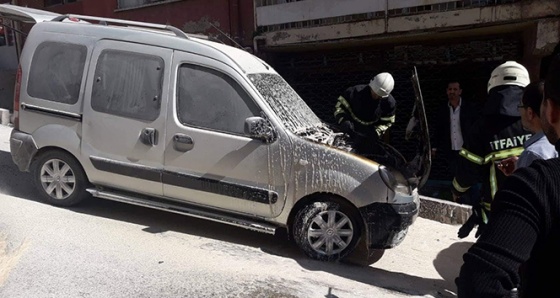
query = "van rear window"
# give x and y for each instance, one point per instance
(56, 72)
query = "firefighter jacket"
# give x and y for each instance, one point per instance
(370, 117)
(497, 135)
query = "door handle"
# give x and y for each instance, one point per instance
(182, 142)
(149, 136)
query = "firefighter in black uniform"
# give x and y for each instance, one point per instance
(365, 112)
(497, 135)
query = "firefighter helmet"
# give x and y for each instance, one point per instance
(382, 84)
(509, 73)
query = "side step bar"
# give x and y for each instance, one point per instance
(179, 208)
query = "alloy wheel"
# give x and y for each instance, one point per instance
(58, 179)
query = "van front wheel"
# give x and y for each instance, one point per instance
(326, 231)
(59, 178)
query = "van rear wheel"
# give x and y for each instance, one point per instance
(59, 178)
(326, 231)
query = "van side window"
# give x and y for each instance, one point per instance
(210, 99)
(128, 84)
(56, 72)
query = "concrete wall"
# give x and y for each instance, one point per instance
(320, 9)
(314, 9)
(502, 15)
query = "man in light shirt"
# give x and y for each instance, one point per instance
(453, 120)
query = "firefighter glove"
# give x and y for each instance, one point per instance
(348, 127)
(476, 219)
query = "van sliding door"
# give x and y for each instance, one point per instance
(124, 116)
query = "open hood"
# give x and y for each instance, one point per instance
(417, 131)
(417, 169)
(25, 14)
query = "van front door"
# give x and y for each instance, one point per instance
(124, 116)
(209, 160)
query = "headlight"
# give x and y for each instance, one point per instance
(392, 183)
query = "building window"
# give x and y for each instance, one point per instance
(136, 3)
(3, 39)
(6, 34)
(58, 2)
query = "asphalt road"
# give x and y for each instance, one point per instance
(108, 249)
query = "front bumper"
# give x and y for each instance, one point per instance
(387, 224)
(22, 148)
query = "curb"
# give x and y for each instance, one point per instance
(444, 211)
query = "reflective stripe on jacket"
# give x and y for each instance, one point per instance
(490, 140)
(367, 114)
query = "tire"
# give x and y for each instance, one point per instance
(316, 233)
(60, 179)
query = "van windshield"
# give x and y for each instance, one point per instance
(294, 113)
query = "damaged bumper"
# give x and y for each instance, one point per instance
(22, 148)
(387, 224)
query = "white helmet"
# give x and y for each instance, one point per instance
(509, 73)
(382, 84)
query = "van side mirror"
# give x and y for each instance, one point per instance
(260, 129)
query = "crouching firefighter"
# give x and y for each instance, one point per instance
(496, 135)
(365, 112)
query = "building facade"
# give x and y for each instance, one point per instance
(322, 47)
(231, 21)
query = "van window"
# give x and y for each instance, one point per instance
(210, 99)
(56, 72)
(128, 84)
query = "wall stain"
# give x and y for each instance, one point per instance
(280, 35)
(200, 26)
(304, 38)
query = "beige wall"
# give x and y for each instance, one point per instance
(319, 9)
(513, 15)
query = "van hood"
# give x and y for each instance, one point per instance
(298, 118)
(25, 14)
(416, 170)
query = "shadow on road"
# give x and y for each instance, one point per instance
(445, 259)
(19, 184)
(381, 278)
(12, 181)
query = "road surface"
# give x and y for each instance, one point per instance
(109, 249)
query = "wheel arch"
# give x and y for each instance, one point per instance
(57, 136)
(47, 149)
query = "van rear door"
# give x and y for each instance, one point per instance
(25, 14)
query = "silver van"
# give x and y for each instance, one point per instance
(149, 115)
